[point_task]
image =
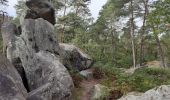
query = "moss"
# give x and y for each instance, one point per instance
(143, 79)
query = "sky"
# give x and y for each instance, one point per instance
(95, 6)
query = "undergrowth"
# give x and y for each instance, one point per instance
(142, 80)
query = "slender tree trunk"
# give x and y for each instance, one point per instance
(63, 29)
(161, 53)
(145, 2)
(132, 35)
(113, 45)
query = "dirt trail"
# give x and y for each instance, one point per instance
(87, 85)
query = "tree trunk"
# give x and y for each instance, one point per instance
(132, 35)
(145, 2)
(161, 53)
(113, 44)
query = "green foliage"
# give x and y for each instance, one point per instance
(143, 79)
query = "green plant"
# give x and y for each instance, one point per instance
(143, 79)
(98, 73)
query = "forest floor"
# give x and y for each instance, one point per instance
(87, 85)
(109, 79)
(83, 92)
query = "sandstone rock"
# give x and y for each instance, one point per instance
(100, 92)
(39, 35)
(9, 31)
(11, 87)
(38, 51)
(160, 93)
(74, 58)
(41, 60)
(40, 9)
(46, 70)
(8, 89)
(9, 35)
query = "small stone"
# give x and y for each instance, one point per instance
(87, 74)
(100, 92)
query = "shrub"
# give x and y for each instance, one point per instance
(98, 73)
(143, 79)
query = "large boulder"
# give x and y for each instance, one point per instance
(74, 58)
(38, 52)
(39, 35)
(160, 93)
(9, 35)
(11, 86)
(40, 9)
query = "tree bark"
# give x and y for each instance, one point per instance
(145, 2)
(113, 45)
(161, 53)
(132, 35)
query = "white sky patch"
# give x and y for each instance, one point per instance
(10, 8)
(96, 6)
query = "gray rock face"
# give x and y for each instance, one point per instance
(160, 93)
(9, 34)
(9, 31)
(74, 58)
(39, 35)
(11, 87)
(40, 9)
(38, 52)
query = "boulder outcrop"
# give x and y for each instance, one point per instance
(38, 51)
(160, 93)
(39, 59)
(11, 86)
(74, 58)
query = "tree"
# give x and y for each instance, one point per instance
(158, 19)
(132, 34)
(145, 3)
(75, 19)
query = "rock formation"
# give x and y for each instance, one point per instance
(11, 87)
(160, 93)
(38, 52)
(41, 62)
(74, 58)
(40, 9)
